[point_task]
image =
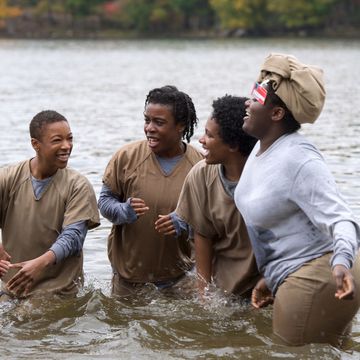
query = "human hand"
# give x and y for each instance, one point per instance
(164, 225)
(3, 254)
(139, 206)
(4, 267)
(29, 274)
(345, 287)
(261, 295)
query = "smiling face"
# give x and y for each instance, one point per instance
(257, 121)
(54, 146)
(162, 132)
(216, 151)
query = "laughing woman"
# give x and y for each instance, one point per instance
(303, 234)
(142, 181)
(46, 210)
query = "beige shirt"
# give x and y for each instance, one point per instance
(29, 226)
(137, 252)
(212, 213)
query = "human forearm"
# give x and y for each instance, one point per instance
(203, 259)
(113, 209)
(29, 273)
(70, 241)
(345, 244)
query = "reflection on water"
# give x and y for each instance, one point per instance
(101, 87)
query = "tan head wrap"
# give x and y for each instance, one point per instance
(299, 86)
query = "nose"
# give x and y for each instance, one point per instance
(202, 140)
(66, 144)
(149, 126)
(247, 103)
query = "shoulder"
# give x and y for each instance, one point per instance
(192, 154)
(132, 153)
(71, 180)
(295, 151)
(203, 172)
(15, 172)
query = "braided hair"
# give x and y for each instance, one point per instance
(182, 106)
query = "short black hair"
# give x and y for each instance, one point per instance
(43, 118)
(182, 107)
(289, 122)
(228, 113)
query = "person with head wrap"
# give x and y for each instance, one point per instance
(304, 236)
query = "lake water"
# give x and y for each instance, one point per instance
(100, 86)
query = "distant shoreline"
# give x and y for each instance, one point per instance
(114, 34)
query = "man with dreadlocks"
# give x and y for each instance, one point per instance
(142, 181)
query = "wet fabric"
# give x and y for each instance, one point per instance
(306, 310)
(207, 207)
(137, 252)
(293, 210)
(30, 226)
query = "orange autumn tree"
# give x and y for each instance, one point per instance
(8, 11)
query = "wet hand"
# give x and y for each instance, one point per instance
(4, 267)
(3, 254)
(261, 295)
(345, 287)
(164, 225)
(139, 206)
(28, 275)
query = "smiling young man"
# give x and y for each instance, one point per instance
(142, 181)
(222, 248)
(45, 212)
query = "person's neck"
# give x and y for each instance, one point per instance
(177, 151)
(269, 139)
(40, 172)
(234, 166)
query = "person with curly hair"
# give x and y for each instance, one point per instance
(223, 251)
(304, 236)
(142, 181)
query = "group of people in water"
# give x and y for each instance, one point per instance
(257, 211)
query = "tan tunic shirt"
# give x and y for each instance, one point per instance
(29, 226)
(137, 252)
(205, 205)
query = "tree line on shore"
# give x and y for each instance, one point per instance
(37, 18)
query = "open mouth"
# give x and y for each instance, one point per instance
(152, 141)
(205, 152)
(63, 157)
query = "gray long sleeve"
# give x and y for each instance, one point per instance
(112, 208)
(71, 240)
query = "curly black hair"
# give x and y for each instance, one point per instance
(182, 107)
(43, 118)
(228, 113)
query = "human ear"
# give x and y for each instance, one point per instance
(35, 144)
(278, 113)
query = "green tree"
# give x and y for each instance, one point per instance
(251, 15)
(301, 13)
